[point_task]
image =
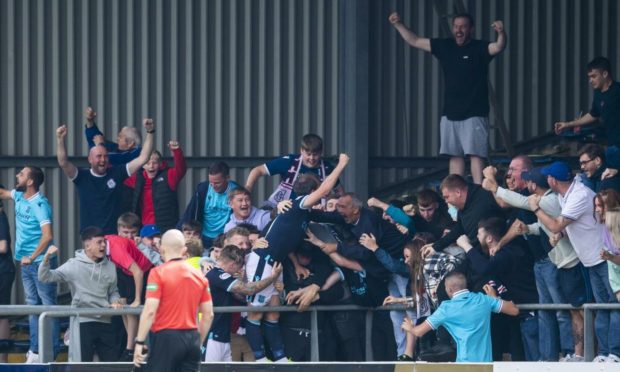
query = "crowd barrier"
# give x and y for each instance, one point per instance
(47, 312)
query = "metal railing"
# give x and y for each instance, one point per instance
(45, 313)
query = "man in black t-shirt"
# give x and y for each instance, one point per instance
(605, 102)
(464, 127)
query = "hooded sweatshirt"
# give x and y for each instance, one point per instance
(92, 284)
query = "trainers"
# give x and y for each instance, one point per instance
(612, 358)
(599, 359)
(572, 358)
(263, 360)
(32, 357)
(404, 358)
(283, 360)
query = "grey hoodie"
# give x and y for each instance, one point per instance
(92, 284)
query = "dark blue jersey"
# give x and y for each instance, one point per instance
(221, 284)
(287, 232)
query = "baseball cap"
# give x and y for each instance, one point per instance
(148, 231)
(558, 170)
(535, 176)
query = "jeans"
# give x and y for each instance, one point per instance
(549, 322)
(398, 288)
(38, 293)
(607, 323)
(529, 337)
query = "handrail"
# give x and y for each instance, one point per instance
(55, 311)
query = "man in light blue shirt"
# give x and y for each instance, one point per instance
(33, 225)
(467, 317)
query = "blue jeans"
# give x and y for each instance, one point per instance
(607, 323)
(529, 337)
(398, 288)
(38, 293)
(549, 322)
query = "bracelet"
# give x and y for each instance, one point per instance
(150, 131)
(536, 210)
(137, 342)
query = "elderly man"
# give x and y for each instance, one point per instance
(127, 145)
(100, 186)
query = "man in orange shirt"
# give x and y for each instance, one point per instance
(174, 293)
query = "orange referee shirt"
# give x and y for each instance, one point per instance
(179, 288)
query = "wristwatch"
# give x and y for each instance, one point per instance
(138, 342)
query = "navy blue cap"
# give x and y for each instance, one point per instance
(558, 170)
(535, 175)
(148, 231)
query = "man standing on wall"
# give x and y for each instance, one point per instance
(464, 127)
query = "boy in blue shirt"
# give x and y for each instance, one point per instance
(467, 317)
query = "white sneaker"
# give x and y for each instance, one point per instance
(612, 358)
(282, 360)
(572, 358)
(32, 357)
(599, 359)
(263, 360)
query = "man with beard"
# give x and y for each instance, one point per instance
(100, 186)
(33, 225)
(464, 127)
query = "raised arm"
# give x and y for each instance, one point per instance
(251, 288)
(328, 184)
(408, 35)
(5, 194)
(61, 153)
(256, 173)
(500, 44)
(147, 148)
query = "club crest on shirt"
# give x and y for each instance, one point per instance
(111, 183)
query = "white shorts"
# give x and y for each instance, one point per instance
(256, 268)
(218, 351)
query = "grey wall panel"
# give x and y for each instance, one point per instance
(225, 77)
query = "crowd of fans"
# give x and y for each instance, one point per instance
(458, 259)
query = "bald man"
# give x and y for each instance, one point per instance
(174, 292)
(467, 318)
(100, 187)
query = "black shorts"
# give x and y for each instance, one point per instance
(6, 284)
(574, 284)
(127, 287)
(174, 350)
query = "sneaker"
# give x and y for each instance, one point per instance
(612, 358)
(404, 358)
(283, 360)
(599, 359)
(439, 353)
(32, 357)
(572, 358)
(263, 360)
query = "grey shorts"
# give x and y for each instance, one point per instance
(465, 137)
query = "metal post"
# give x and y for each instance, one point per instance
(369, 356)
(314, 336)
(46, 348)
(588, 333)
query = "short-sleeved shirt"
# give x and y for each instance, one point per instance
(606, 107)
(467, 317)
(6, 261)
(123, 252)
(585, 233)
(179, 288)
(282, 165)
(465, 70)
(221, 284)
(101, 197)
(30, 215)
(216, 211)
(287, 231)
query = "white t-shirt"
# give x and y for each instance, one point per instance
(585, 233)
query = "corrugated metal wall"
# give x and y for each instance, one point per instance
(539, 78)
(235, 78)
